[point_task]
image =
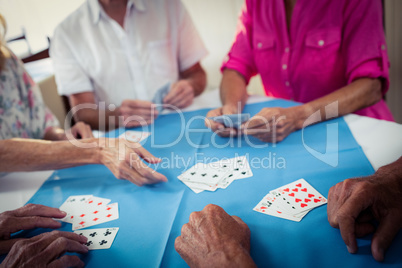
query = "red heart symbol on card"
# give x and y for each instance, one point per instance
(95, 219)
(81, 223)
(292, 194)
(304, 190)
(108, 216)
(295, 190)
(286, 190)
(310, 195)
(298, 200)
(316, 200)
(307, 200)
(298, 185)
(82, 215)
(303, 205)
(279, 212)
(263, 207)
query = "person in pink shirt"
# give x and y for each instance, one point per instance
(329, 55)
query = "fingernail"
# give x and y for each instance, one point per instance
(220, 127)
(83, 239)
(63, 212)
(351, 250)
(84, 247)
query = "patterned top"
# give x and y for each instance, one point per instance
(22, 111)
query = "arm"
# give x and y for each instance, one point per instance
(354, 203)
(131, 113)
(123, 158)
(196, 77)
(275, 124)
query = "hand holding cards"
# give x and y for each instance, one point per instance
(231, 120)
(292, 201)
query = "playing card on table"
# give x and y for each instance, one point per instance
(231, 120)
(160, 95)
(135, 136)
(99, 238)
(298, 196)
(205, 173)
(71, 205)
(268, 206)
(96, 215)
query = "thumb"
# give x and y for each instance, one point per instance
(384, 235)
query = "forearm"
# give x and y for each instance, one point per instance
(393, 170)
(233, 89)
(233, 256)
(197, 77)
(99, 119)
(33, 155)
(355, 96)
(55, 134)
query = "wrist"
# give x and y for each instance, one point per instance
(232, 255)
(85, 151)
(301, 114)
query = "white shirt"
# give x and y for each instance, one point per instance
(92, 52)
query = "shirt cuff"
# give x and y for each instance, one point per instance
(238, 65)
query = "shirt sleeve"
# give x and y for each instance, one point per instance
(240, 56)
(191, 46)
(70, 76)
(364, 45)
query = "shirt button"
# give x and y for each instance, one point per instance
(284, 66)
(383, 47)
(287, 83)
(321, 43)
(287, 50)
(259, 45)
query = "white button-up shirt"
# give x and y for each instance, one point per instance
(92, 53)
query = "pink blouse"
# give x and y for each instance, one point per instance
(331, 44)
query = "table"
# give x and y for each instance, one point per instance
(175, 215)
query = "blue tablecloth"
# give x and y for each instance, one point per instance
(151, 217)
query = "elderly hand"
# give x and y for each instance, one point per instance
(82, 130)
(219, 128)
(273, 124)
(137, 113)
(123, 158)
(212, 238)
(354, 203)
(47, 250)
(181, 95)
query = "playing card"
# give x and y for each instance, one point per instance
(231, 120)
(70, 206)
(298, 196)
(99, 238)
(96, 215)
(209, 174)
(268, 206)
(135, 136)
(160, 95)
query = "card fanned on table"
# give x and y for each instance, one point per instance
(99, 238)
(231, 120)
(216, 175)
(292, 201)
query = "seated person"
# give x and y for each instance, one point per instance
(119, 53)
(22, 111)
(326, 60)
(212, 238)
(44, 250)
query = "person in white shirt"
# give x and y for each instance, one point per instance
(117, 54)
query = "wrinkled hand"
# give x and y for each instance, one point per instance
(136, 113)
(354, 203)
(219, 128)
(81, 130)
(181, 95)
(47, 250)
(272, 124)
(212, 238)
(123, 158)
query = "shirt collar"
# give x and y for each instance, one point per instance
(97, 10)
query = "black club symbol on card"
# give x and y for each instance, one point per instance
(82, 199)
(93, 234)
(192, 173)
(107, 232)
(236, 169)
(88, 243)
(204, 174)
(72, 200)
(243, 173)
(215, 176)
(102, 242)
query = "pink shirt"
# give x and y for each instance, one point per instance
(331, 44)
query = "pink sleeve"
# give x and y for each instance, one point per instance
(240, 56)
(364, 45)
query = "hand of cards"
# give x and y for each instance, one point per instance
(231, 120)
(87, 210)
(292, 201)
(216, 175)
(160, 95)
